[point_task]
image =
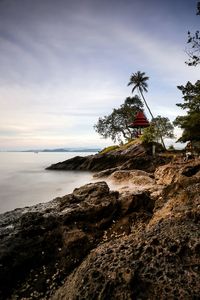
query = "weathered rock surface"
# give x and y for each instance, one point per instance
(99, 244)
(159, 261)
(174, 172)
(137, 156)
(42, 244)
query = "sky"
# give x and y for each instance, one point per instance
(65, 63)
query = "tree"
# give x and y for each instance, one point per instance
(193, 50)
(152, 133)
(139, 82)
(190, 123)
(115, 125)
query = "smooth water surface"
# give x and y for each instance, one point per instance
(24, 180)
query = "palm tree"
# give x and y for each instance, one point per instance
(139, 82)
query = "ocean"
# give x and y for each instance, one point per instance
(25, 182)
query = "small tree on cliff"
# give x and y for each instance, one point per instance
(190, 123)
(163, 124)
(115, 125)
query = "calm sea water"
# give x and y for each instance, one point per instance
(25, 182)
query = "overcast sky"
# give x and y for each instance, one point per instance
(64, 63)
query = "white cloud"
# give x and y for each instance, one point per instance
(64, 65)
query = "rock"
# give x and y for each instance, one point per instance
(102, 244)
(137, 156)
(174, 172)
(139, 201)
(41, 245)
(159, 261)
(127, 182)
(105, 173)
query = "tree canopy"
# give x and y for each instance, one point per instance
(193, 41)
(152, 133)
(190, 123)
(115, 125)
(139, 82)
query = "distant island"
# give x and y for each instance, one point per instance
(58, 150)
(66, 150)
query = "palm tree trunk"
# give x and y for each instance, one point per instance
(162, 141)
(146, 104)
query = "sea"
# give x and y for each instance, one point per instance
(25, 182)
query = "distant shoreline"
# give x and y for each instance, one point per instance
(55, 150)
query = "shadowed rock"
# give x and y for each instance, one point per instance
(161, 261)
(137, 156)
(99, 244)
(40, 245)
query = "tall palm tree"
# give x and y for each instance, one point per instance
(139, 82)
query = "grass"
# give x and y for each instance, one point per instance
(109, 149)
(121, 147)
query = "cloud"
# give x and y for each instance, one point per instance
(65, 63)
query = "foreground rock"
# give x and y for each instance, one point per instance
(99, 244)
(161, 261)
(137, 156)
(41, 245)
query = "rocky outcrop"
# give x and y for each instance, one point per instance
(159, 260)
(175, 172)
(42, 244)
(96, 243)
(137, 156)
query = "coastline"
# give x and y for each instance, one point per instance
(139, 241)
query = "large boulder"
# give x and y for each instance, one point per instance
(42, 244)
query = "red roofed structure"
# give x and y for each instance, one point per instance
(140, 121)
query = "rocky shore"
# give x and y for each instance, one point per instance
(134, 234)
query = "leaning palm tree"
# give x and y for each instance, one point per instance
(139, 82)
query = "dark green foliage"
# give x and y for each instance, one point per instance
(152, 133)
(190, 123)
(139, 82)
(115, 125)
(193, 41)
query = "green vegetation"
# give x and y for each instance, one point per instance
(115, 125)
(171, 148)
(190, 123)
(193, 41)
(130, 143)
(139, 82)
(152, 133)
(109, 149)
(121, 147)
